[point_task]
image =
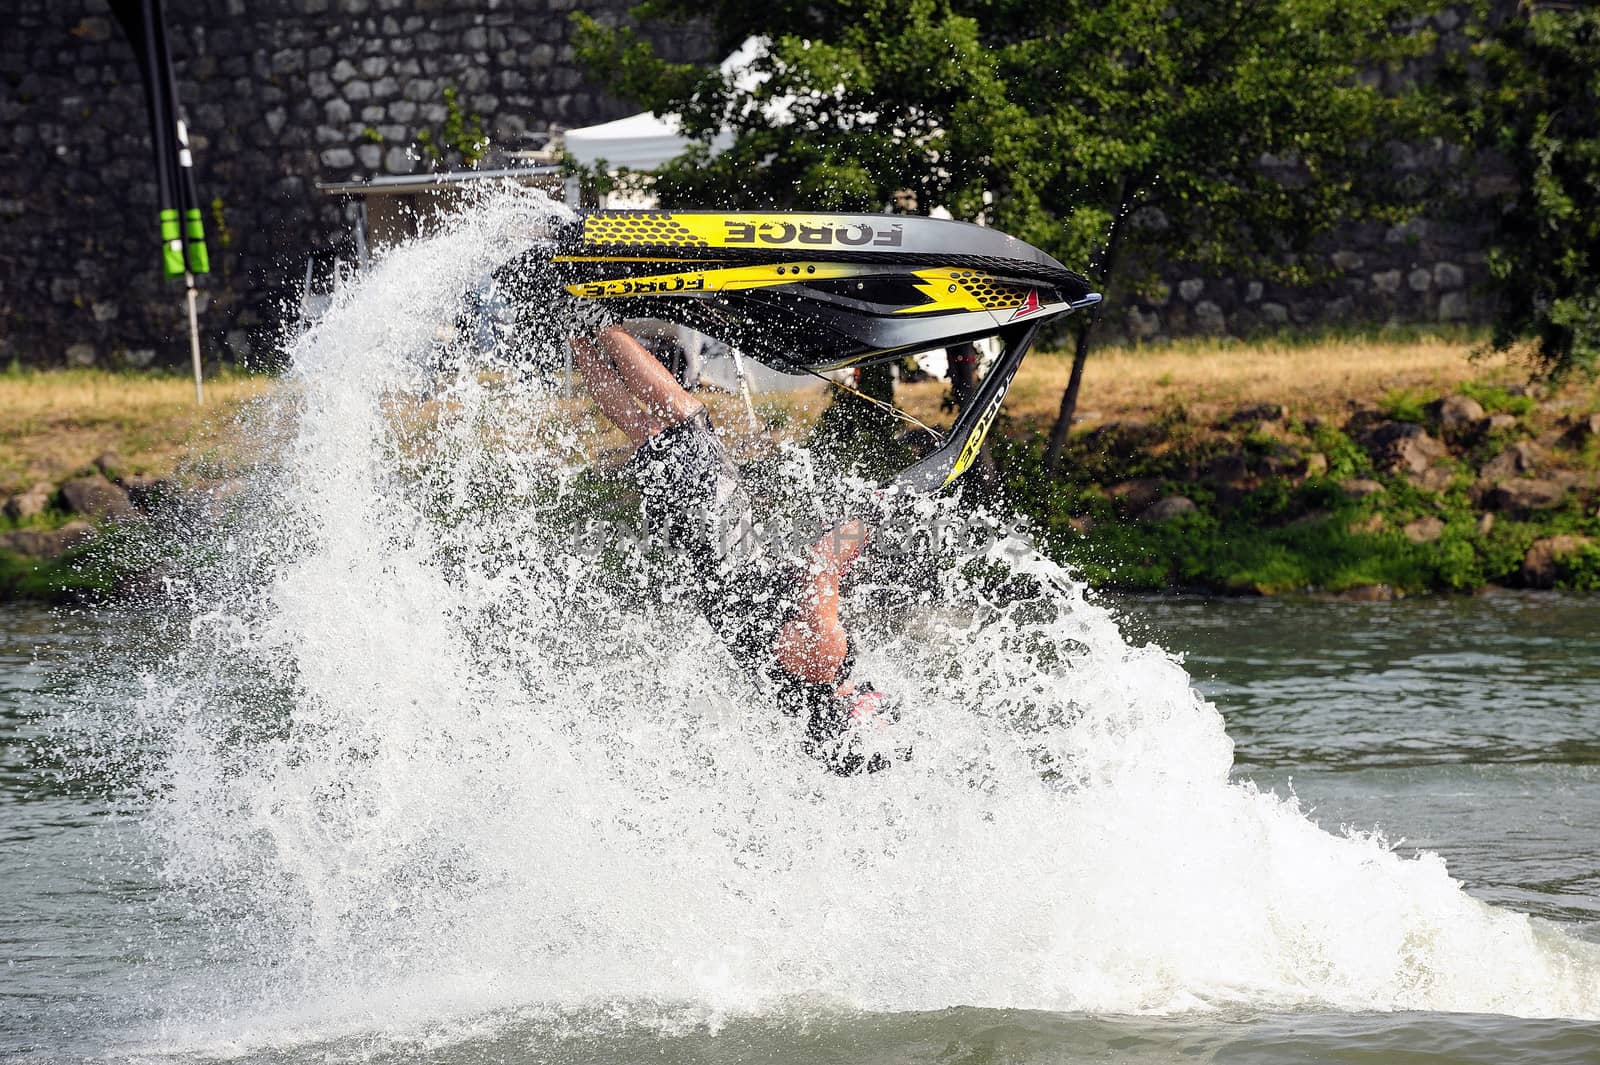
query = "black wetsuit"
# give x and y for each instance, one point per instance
(696, 504)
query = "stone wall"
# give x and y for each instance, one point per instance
(280, 94)
(1428, 270)
(283, 93)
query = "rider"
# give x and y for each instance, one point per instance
(781, 622)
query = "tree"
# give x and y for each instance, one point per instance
(1113, 133)
(1530, 98)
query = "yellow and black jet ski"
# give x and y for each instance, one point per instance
(816, 292)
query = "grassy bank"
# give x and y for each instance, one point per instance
(54, 424)
(1265, 467)
(127, 434)
(1366, 467)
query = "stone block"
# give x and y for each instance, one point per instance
(344, 71)
(1410, 232)
(81, 355)
(1348, 260)
(1208, 317)
(370, 156)
(1190, 289)
(1453, 307)
(1275, 313)
(92, 28)
(338, 158)
(1387, 281)
(1143, 325)
(398, 160)
(1420, 279)
(1448, 275)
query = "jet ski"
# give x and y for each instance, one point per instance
(809, 293)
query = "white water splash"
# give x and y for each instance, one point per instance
(430, 762)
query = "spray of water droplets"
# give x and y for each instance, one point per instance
(426, 754)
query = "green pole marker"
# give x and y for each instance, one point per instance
(195, 231)
(171, 243)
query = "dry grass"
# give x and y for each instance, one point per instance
(54, 424)
(1208, 378)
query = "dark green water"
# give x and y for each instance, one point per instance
(1465, 727)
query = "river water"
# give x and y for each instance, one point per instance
(403, 762)
(1460, 727)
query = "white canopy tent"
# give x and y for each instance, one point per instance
(646, 140)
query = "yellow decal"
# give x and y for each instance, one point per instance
(729, 279)
(969, 450)
(628, 259)
(956, 289)
(695, 230)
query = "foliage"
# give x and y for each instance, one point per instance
(1067, 116)
(1496, 399)
(1404, 405)
(1222, 133)
(1580, 569)
(462, 135)
(1530, 96)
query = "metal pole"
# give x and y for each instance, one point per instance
(744, 388)
(194, 341)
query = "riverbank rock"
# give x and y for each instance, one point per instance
(1581, 431)
(1457, 415)
(1168, 508)
(150, 493)
(1523, 495)
(1401, 446)
(95, 497)
(1520, 458)
(1137, 494)
(1360, 488)
(44, 544)
(1368, 593)
(30, 504)
(1424, 530)
(1497, 423)
(1539, 566)
(1228, 469)
(112, 465)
